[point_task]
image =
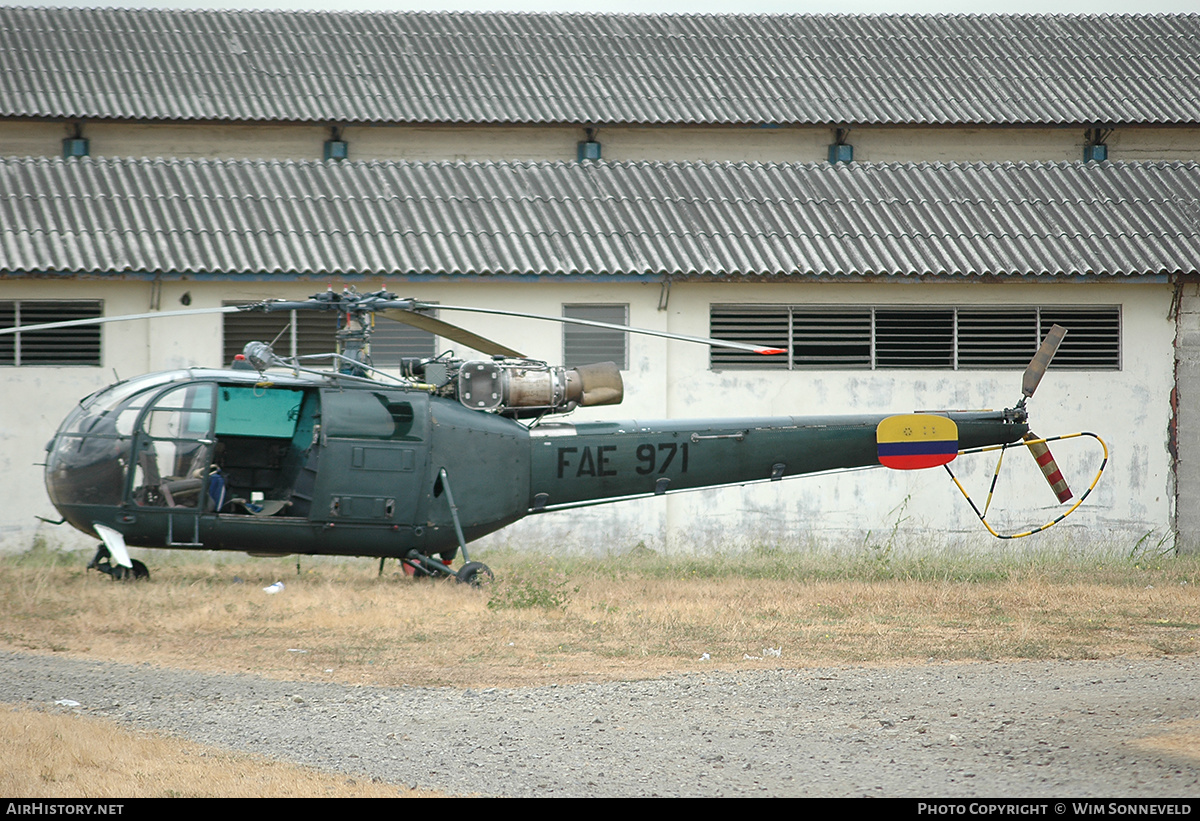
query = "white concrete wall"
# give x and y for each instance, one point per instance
(1130, 408)
(1187, 375)
(656, 143)
(665, 379)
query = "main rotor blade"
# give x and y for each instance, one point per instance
(101, 320)
(1041, 360)
(700, 340)
(452, 332)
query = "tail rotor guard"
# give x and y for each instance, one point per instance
(1031, 443)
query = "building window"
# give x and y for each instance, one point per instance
(290, 333)
(586, 345)
(305, 333)
(56, 346)
(898, 338)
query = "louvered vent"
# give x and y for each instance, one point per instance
(830, 339)
(892, 338)
(293, 333)
(1002, 339)
(586, 346)
(54, 347)
(754, 324)
(914, 338)
(392, 341)
(1093, 341)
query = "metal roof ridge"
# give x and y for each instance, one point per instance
(478, 13)
(816, 165)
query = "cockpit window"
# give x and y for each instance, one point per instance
(92, 453)
(370, 415)
(115, 409)
(112, 396)
(183, 413)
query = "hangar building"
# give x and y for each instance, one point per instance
(904, 203)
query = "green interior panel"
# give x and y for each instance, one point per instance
(269, 412)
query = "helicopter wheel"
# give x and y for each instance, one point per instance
(139, 572)
(103, 563)
(476, 574)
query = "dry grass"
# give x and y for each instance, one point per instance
(65, 756)
(641, 617)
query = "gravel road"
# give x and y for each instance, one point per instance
(1032, 729)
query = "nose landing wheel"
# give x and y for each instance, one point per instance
(102, 561)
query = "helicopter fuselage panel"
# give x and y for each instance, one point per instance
(583, 463)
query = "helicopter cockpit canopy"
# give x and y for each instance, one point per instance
(162, 428)
(89, 456)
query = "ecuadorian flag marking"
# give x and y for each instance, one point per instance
(913, 441)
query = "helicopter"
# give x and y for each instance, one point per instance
(273, 456)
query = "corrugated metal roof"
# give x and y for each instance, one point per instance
(401, 218)
(597, 68)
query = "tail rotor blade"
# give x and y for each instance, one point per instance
(1041, 454)
(1041, 360)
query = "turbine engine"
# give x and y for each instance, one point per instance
(520, 388)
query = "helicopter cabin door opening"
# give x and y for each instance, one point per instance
(265, 438)
(172, 453)
(208, 448)
(255, 450)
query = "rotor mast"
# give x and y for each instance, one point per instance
(355, 321)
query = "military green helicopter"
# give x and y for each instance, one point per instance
(273, 456)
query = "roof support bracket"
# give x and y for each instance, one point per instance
(76, 145)
(589, 149)
(840, 150)
(336, 148)
(1095, 147)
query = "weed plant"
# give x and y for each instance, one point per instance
(527, 586)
